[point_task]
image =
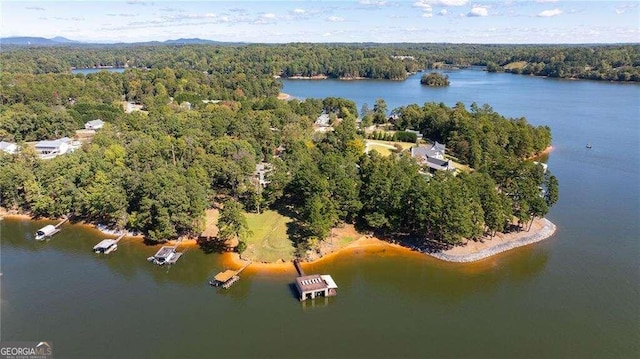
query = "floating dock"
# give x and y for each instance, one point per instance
(314, 285)
(107, 246)
(227, 278)
(49, 230)
(166, 255)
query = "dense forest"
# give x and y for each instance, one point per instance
(156, 171)
(366, 60)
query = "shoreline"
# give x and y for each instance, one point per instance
(469, 252)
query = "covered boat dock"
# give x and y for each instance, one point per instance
(166, 255)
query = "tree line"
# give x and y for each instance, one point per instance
(376, 61)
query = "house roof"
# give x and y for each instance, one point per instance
(437, 164)
(439, 147)
(6, 145)
(323, 120)
(97, 122)
(54, 143)
(419, 152)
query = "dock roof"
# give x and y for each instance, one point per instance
(331, 284)
(165, 252)
(311, 283)
(105, 243)
(224, 276)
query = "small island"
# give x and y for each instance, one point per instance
(434, 79)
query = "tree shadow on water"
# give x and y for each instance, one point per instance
(212, 245)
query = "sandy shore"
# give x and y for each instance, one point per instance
(470, 251)
(285, 96)
(475, 251)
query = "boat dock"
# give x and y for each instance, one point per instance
(107, 246)
(49, 230)
(227, 278)
(166, 255)
(313, 285)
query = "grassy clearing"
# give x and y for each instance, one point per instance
(515, 65)
(386, 148)
(268, 241)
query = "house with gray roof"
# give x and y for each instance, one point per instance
(94, 125)
(432, 157)
(50, 149)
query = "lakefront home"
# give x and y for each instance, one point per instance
(260, 175)
(432, 157)
(94, 125)
(8, 147)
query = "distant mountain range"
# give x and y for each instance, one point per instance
(62, 41)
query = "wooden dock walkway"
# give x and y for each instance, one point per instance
(296, 263)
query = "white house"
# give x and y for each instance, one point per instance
(51, 149)
(8, 147)
(94, 125)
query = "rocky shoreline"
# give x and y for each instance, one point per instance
(545, 232)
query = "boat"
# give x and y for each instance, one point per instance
(106, 246)
(588, 145)
(46, 231)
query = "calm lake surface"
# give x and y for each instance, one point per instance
(574, 295)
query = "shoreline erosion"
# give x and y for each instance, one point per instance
(470, 251)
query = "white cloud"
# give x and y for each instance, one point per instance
(443, 12)
(550, 13)
(478, 11)
(451, 2)
(299, 11)
(36, 8)
(269, 15)
(427, 15)
(422, 4)
(546, 1)
(372, 2)
(335, 19)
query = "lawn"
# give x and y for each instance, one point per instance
(386, 148)
(268, 240)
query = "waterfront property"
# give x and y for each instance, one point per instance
(166, 255)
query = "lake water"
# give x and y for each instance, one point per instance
(92, 71)
(574, 295)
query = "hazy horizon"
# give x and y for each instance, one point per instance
(422, 21)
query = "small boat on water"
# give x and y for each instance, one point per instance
(588, 145)
(46, 231)
(106, 246)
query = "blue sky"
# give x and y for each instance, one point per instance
(456, 21)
